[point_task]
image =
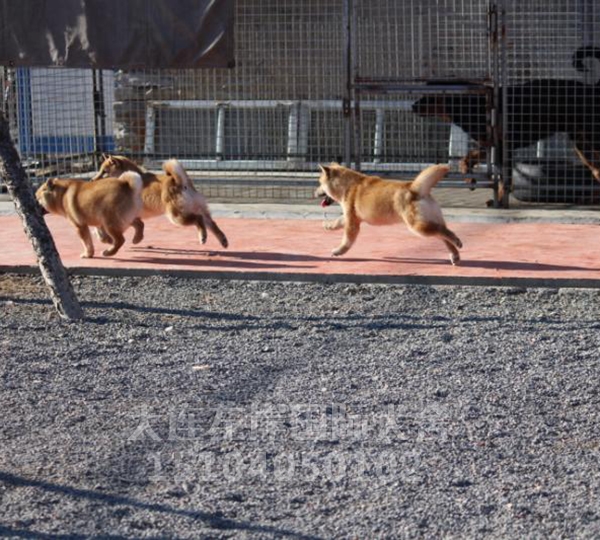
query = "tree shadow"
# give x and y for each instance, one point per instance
(211, 519)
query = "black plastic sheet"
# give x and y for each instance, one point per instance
(117, 34)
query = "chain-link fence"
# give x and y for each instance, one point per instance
(387, 86)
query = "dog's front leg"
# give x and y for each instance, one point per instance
(334, 225)
(86, 240)
(351, 229)
(216, 230)
(200, 225)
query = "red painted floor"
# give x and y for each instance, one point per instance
(262, 247)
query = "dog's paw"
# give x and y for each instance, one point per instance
(455, 259)
(86, 255)
(224, 242)
(332, 225)
(339, 251)
(108, 252)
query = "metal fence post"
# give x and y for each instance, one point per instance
(348, 68)
(501, 161)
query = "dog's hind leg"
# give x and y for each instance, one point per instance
(454, 253)
(452, 242)
(216, 230)
(201, 226)
(138, 226)
(187, 220)
(117, 241)
(451, 237)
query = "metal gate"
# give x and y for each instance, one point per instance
(551, 100)
(424, 60)
(504, 90)
(507, 90)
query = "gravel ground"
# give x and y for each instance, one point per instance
(222, 409)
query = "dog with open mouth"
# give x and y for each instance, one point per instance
(376, 201)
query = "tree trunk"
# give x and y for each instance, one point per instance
(54, 273)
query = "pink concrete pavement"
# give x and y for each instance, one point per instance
(493, 253)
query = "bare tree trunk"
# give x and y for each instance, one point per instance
(54, 273)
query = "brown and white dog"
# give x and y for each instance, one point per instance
(172, 194)
(375, 201)
(112, 204)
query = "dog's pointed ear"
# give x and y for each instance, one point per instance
(50, 183)
(325, 170)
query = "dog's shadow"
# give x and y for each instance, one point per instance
(497, 265)
(277, 260)
(249, 258)
(210, 262)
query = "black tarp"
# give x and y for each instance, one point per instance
(126, 34)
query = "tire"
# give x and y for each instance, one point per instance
(554, 181)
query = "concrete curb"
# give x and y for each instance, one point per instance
(528, 283)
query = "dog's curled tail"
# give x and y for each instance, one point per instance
(134, 180)
(581, 54)
(428, 178)
(173, 168)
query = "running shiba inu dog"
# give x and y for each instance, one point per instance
(375, 201)
(112, 204)
(172, 194)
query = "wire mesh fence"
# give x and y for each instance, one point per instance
(551, 100)
(423, 79)
(422, 40)
(249, 132)
(382, 85)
